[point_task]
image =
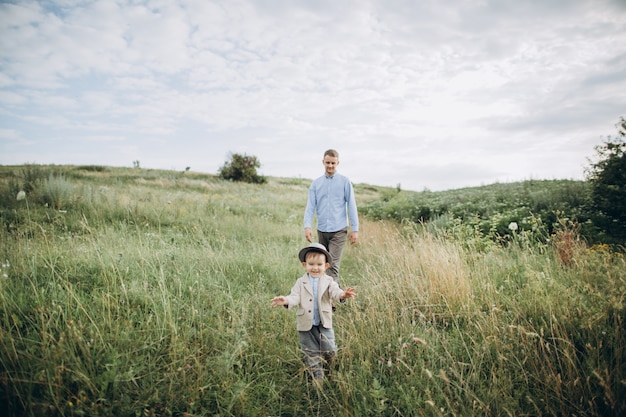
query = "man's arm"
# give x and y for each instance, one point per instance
(309, 212)
(353, 213)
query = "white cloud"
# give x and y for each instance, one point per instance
(432, 94)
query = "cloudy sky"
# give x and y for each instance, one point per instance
(422, 93)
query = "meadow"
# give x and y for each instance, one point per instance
(134, 292)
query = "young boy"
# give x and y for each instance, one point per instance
(313, 294)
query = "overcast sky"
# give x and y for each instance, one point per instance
(426, 94)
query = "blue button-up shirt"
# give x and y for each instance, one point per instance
(332, 199)
(316, 310)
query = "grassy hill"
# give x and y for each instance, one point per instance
(492, 208)
(146, 292)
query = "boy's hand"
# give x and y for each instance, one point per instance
(279, 301)
(348, 293)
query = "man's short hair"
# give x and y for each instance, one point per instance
(331, 152)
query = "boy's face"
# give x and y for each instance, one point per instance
(315, 264)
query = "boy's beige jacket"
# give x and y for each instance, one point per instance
(301, 296)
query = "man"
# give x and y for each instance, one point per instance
(331, 197)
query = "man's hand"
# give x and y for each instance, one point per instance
(354, 236)
(308, 234)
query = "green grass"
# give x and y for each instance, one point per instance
(536, 206)
(146, 293)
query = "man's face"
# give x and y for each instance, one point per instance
(330, 165)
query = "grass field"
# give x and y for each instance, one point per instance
(135, 292)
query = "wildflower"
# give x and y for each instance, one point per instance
(513, 226)
(21, 195)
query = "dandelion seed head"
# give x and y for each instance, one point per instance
(513, 226)
(21, 195)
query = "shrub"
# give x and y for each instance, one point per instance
(93, 168)
(56, 192)
(32, 176)
(608, 180)
(242, 168)
(567, 242)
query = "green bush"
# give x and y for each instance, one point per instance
(32, 176)
(93, 168)
(608, 180)
(242, 168)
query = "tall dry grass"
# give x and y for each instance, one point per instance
(504, 332)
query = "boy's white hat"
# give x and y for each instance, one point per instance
(314, 247)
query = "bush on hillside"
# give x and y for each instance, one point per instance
(608, 181)
(242, 168)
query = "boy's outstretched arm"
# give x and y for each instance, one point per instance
(279, 301)
(348, 293)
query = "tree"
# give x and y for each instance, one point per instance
(608, 183)
(242, 168)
